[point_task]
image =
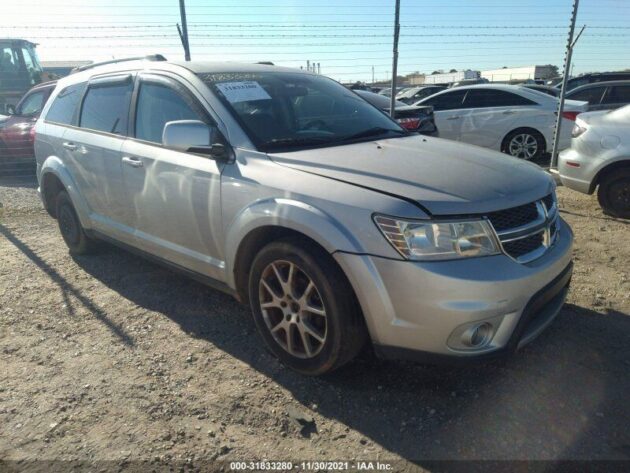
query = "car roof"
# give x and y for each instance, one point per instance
(508, 87)
(209, 67)
(600, 84)
(519, 89)
(16, 40)
(148, 64)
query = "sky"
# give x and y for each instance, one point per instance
(349, 38)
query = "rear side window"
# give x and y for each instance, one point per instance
(447, 101)
(106, 107)
(65, 104)
(483, 98)
(157, 105)
(592, 95)
(618, 94)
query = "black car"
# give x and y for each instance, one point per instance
(418, 119)
(545, 89)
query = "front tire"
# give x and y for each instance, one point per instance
(70, 226)
(614, 193)
(304, 307)
(524, 143)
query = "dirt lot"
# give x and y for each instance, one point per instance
(112, 358)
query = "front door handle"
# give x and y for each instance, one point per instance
(454, 118)
(509, 112)
(69, 146)
(133, 162)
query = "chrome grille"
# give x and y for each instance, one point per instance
(522, 246)
(527, 231)
(514, 217)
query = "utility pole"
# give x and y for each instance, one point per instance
(565, 77)
(392, 103)
(372, 75)
(183, 33)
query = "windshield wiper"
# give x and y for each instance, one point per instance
(297, 141)
(377, 130)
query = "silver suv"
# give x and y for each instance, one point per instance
(290, 192)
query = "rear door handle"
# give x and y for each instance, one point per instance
(133, 162)
(70, 146)
(454, 118)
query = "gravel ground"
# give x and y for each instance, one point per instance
(110, 358)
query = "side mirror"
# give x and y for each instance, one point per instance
(193, 136)
(10, 109)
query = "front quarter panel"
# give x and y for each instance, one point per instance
(257, 192)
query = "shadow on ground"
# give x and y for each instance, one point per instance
(563, 397)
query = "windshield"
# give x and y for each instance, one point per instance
(283, 111)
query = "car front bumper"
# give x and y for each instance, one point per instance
(421, 310)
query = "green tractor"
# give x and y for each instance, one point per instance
(19, 71)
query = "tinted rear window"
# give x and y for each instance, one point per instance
(592, 95)
(446, 101)
(106, 108)
(618, 94)
(65, 105)
(482, 98)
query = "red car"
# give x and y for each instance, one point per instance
(17, 129)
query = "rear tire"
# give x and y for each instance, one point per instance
(304, 307)
(614, 193)
(70, 226)
(524, 143)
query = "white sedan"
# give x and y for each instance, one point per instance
(509, 118)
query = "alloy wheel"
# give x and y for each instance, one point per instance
(620, 195)
(68, 225)
(523, 146)
(293, 309)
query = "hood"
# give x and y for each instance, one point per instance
(444, 177)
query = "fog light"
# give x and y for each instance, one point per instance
(477, 335)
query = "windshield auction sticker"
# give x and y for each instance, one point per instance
(246, 91)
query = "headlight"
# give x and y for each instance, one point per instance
(435, 240)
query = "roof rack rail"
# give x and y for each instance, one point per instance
(150, 57)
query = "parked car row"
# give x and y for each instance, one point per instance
(418, 119)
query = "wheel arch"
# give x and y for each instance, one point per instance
(274, 219)
(522, 129)
(55, 177)
(620, 163)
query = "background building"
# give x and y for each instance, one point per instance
(448, 77)
(508, 74)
